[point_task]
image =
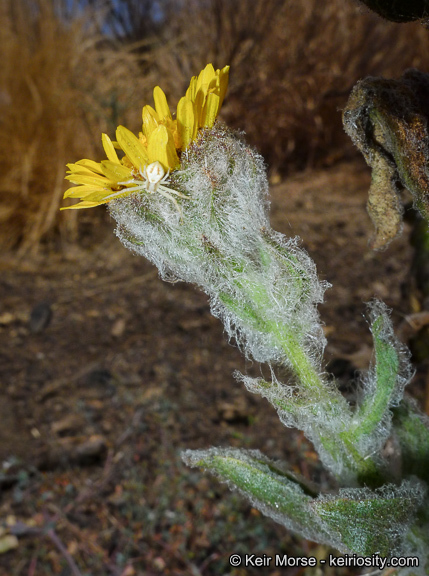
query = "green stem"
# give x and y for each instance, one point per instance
(253, 308)
(299, 361)
(366, 469)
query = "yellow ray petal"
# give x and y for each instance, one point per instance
(161, 147)
(109, 148)
(149, 121)
(185, 121)
(171, 125)
(210, 110)
(143, 140)
(115, 171)
(83, 204)
(132, 147)
(73, 169)
(199, 105)
(94, 166)
(223, 81)
(80, 191)
(153, 112)
(93, 180)
(192, 90)
(85, 167)
(205, 77)
(157, 145)
(161, 105)
(214, 84)
(103, 196)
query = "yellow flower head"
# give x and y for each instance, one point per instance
(155, 152)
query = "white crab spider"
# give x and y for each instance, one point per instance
(154, 177)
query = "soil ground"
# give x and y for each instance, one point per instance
(107, 374)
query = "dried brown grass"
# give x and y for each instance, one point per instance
(61, 84)
(293, 64)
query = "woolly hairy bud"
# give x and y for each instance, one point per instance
(221, 240)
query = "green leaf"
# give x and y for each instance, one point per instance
(277, 493)
(412, 430)
(372, 522)
(382, 389)
(386, 381)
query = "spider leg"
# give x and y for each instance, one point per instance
(165, 177)
(132, 181)
(167, 195)
(126, 191)
(170, 190)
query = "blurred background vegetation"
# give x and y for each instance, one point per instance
(71, 70)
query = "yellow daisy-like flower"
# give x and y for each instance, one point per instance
(150, 157)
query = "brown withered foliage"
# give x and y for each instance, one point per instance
(388, 122)
(61, 85)
(293, 65)
(65, 80)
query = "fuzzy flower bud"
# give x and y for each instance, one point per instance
(221, 240)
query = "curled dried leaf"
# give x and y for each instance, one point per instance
(388, 121)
